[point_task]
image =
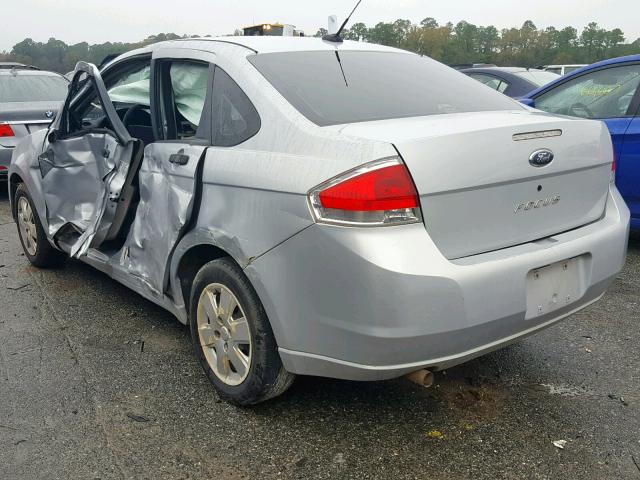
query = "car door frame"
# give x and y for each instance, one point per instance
(153, 280)
(99, 226)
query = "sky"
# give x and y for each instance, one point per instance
(97, 21)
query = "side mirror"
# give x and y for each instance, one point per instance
(529, 102)
(52, 137)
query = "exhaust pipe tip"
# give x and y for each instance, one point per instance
(424, 377)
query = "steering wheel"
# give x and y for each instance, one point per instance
(579, 110)
(131, 111)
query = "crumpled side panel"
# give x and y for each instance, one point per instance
(75, 177)
(166, 203)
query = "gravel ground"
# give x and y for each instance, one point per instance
(97, 383)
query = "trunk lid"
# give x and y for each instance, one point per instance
(26, 118)
(478, 190)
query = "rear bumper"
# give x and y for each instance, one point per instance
(372, 304)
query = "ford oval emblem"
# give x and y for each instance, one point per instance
(49, 114)
(541, 158)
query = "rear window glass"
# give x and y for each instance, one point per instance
(32, 88)
(331, 87)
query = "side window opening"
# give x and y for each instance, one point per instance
(130, 93)
(600, 94)
(184, 94)
(88, 115)
(128, 90)
(235, 119)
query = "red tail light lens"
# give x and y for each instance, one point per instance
(379, 193)
(6, 130)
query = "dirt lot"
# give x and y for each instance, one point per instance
(96, 382)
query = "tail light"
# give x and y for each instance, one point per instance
(6, 130)
(380, 193)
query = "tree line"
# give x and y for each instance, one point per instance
(57, 56)
(527, 46)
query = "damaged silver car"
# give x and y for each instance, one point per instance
(321, 208)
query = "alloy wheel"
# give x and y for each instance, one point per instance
(224, 334)
(27, 226)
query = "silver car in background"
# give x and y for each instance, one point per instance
(29, 100)
(318, 208)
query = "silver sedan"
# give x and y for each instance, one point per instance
(321, 208)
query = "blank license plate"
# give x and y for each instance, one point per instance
(553, 287)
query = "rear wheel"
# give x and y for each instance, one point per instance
(36, 247)
(232, 336)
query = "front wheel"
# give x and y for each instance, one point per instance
(36, 247)
(232, 336)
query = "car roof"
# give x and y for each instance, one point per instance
(566, 65)
(495, 69)
(258, 44)
(26, 72)
(267, 44)
(16, 66)
(580, 71)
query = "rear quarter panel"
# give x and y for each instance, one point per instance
(254, 195)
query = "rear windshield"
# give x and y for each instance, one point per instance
(331, 88)
(32, 88)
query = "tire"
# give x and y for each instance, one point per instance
(34, 241)
(249, 369)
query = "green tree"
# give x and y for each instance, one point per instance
(384, 34)
(358, 31)
(488, 38)
(429, 22)
(592, 40)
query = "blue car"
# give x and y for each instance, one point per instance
(607, 91)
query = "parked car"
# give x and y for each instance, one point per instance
(563, 69)
(512, 81)
(607, 91)
(304, 218)
(462, 66)
(29, 99)
(16, 66)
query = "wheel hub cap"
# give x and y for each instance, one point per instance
(27, 226)
(224, 334)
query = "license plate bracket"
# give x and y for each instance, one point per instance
(554, 286)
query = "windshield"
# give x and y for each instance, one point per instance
(538, 77)
(331, 87)
(32, 88)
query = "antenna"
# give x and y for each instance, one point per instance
(335, 37)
